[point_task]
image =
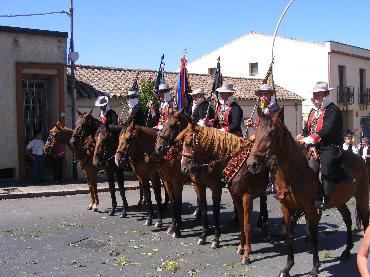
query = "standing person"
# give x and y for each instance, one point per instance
(167, 104)
(364, 151)
(347, 144)
(324, 130)
(135, 114)
(199, 108)
(35, 149)
(229, 114)
(363, 254)
(107, 115)
(153, 115)
(58, 163)
(267, 103)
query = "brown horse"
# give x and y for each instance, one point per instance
(299, 186)
(206, 152)
(87, 126)
(60, 134)
(136, 144)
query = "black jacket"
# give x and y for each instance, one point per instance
(111, 117)
(235, 118)
(331, 132)
(200, 112)
(136, 115)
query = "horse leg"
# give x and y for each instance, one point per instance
(312, 222)
(121, 186)
(178, 206)
(148, 202)
(196, 212)
(238, 204)
(112, 190)
(247, 212)
(216, 197)
(203, 210)
(288, 214)
(166, 198)
(156, 182)
(140, 195)
(362, 205)
(263, 215)
(94, 187)
(91, 195)
(346, 215)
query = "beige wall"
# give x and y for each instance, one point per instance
(23, 48)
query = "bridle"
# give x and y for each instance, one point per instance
(52, 140)
(129, 142)
(102, 154)
(169, 141)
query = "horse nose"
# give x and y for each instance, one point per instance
(158, 149)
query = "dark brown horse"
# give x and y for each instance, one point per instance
(299, 186)
(84, 156)
(136, 144)
(87, 126)
(206, 153)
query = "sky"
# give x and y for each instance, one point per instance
(135, 33)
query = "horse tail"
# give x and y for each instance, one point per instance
(362, 198)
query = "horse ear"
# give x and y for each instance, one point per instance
(79, 113)
(260, 113)
(279, 115)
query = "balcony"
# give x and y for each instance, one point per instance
(345, 95)
(363, 96)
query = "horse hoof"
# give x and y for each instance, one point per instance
(201, 241)
(240, 251)
(215, 244)
(95, 209)
(123, 214)
(89, 207)
(196, 213)
(158, 224)
(112, 212)
(283, 274)
(170, 230)
(245, 261)
(176, 235)
(148, 222)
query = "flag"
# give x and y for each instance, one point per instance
(217, 82)
(183, 97)
(269, 80)
(135, 84)
(160, 77)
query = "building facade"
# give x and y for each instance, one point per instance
(33, 89)
(298, 65)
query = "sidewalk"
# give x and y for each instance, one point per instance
(20, 190)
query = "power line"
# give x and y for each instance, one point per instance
(34, 14)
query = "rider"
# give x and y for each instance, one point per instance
(324, 130)
(107, 115)
(200, 106)
(268, 105)
(229, 114)
(135, 114)
(167, 104)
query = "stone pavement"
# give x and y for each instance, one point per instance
(15, 190)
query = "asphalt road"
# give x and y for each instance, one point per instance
(57, 236)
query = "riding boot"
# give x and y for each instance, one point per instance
(323, 200)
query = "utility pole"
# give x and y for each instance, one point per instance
(73, 56)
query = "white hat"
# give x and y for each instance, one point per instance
(164, 87)
(321, 86)
(199, 90)
(101, 101)
(263, 88)
(132, 93)
(226, 88)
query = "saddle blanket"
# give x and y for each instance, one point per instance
(237, 161)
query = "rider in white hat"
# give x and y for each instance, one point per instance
(167, 104)
(135, 113)
(107, 115)
(324, 130)
(200, 106)
(229, 114)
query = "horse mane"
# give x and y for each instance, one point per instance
(115, 129)
(221, 144)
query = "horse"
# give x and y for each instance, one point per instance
(136, 143)
(299, 186)
(206, 152)
(60, 134)
(87, 126)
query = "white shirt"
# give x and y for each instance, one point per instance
(36, 146)
(346, 146)
(364, 152)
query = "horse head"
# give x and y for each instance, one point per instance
(127, 139)
(175, 123)
(189, 155)
(86, 126)
(56, 136)
(268, 141)
(106, 139)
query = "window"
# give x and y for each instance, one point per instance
(342, 76)
(212, 71)
(362, 79)
(253, 69)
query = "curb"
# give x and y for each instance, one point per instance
(56, 193)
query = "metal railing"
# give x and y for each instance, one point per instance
(363, 96)
(345, 95)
